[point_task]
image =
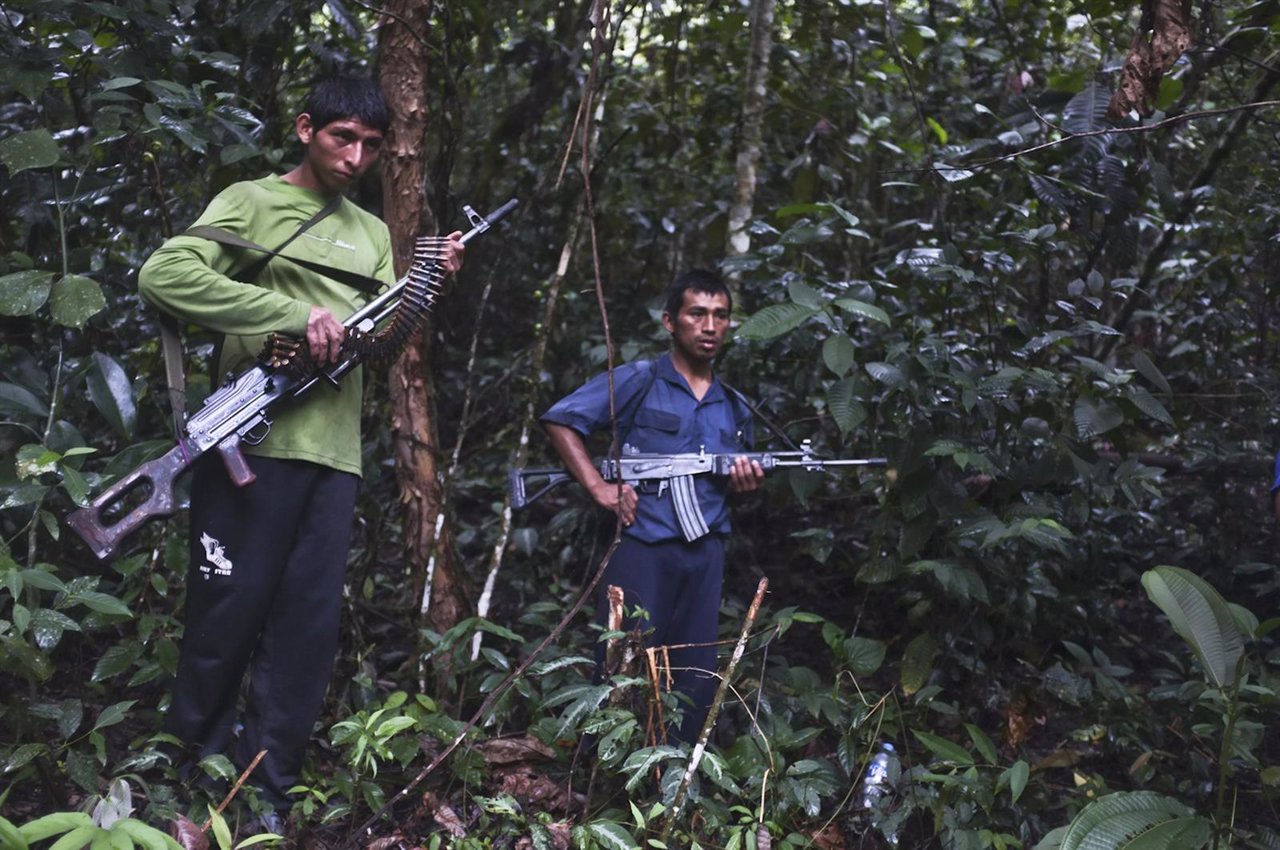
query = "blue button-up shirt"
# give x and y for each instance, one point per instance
(658, 413)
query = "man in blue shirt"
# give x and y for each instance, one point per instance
(672, 404)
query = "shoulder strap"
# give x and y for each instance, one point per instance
(734, 393)
(171, 347)
(363, 283)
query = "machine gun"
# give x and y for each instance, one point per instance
(237, 414)
(675, 472)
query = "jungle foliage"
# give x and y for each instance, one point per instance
(1058, 605)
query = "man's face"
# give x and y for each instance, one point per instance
(340, 151)
(699, 328)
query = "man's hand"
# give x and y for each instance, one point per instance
(453, 248)
(324, 336)
(745, 475)
(606, 496)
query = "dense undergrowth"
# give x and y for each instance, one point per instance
(1068, 358)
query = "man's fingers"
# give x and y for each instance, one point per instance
(745, 475)
(453, 252)
(324, 335)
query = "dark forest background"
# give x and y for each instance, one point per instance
(1028, 252)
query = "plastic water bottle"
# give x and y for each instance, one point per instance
(876, 780)
(875, 783)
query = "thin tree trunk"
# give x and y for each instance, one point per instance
(738, 240)
(428, 540)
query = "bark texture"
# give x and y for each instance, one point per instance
(752, 139)
(403, 75)
(1162, 37)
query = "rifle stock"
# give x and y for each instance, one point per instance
(102, 534)
(520, 495)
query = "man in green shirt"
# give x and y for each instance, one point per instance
(268, 561)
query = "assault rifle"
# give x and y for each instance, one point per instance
(675, 472)
(238, 413)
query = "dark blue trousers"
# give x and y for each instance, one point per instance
(679, 585)
(264, 596)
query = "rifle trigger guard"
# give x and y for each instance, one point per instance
(257, 433)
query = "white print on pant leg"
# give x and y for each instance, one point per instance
(213, 550)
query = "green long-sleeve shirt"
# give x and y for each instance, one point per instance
(187, 277)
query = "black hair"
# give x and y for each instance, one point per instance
(338, 98)
(698, 280)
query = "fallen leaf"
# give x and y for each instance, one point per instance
(188, 835)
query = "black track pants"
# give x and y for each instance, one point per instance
(264, 594)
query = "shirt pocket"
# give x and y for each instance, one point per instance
(655, 431)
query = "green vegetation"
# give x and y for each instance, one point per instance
(1060, 603)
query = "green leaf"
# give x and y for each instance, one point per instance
(120, 83)
(1017, 776)
(775, 320)
(1148, 370)
(864, 655)
(1147, 403)
(113, 714)
(116, 660)
(886, 373)
(48, 625)
(1093, 418)
(937, 129)
(1201, 617)
(610, 835)
(29, 149)
(807, 234)
(22, 293)
(1136, 820)
(83, 770)
(862, 309)
(70, 716)
(846, 409)
(639, 763)
(945, 750)
(19, 658)
(43, 580)
(982, 743)
(838, 353)
(221, 831)
(74, 299)
(103, 603)
(34, 460)
(112, 393)
(917, 662)
(19, 402)
(10, 837)
(803, 294)
(952, 173)
(715, 768)
(586, 699)
(30, 82)
(21, 756)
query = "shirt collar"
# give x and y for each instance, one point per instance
(667, 372)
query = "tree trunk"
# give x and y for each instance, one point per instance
(428, 539)
(738, 241)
